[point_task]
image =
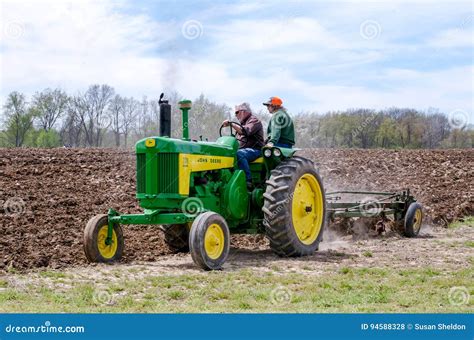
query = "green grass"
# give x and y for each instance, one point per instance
(53, 274)
(367, 253)
(466, 221)
(348, 290)
(469, 244)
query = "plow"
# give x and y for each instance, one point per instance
(401, 207)
(195, 193)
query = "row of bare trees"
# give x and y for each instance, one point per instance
(97, 117)
(101, 117)
(390, 128)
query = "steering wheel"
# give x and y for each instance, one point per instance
(244, 136)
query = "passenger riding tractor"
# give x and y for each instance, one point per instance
(194, 191)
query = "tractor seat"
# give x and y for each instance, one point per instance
(258, 160)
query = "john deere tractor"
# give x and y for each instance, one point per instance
(194, 191)
(197, 195)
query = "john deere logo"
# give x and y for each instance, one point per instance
(150, 143)
(209, 160)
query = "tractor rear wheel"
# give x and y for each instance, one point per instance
(209, 240)
(95, 235)
(294, 208)
(413, 220)
(176, 237)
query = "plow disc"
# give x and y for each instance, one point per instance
(400, 206)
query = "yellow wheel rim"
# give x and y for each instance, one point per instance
(417, 220)
(107, 251)
(307, 209)
(214, 241)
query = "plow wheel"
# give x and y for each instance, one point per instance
(96, 246)
(294, 208)
(413, 220)
(177, 237)
(209, 241)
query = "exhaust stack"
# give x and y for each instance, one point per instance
(165, 117)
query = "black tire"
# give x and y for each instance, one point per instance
(413, 220)
(197, 240)
(176, 237)
(94, 241)
(278, 208)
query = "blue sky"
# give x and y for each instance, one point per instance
(315, 55)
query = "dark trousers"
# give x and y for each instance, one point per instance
(283, 145)
(244, 157)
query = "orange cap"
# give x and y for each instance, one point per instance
(274, 101)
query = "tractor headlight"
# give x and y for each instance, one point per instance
(267, 153)
(276, 152)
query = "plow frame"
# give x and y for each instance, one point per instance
(382, 205)
(386, 204)
(149, 217)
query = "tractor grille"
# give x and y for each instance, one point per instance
(167, 180)
(141, 172)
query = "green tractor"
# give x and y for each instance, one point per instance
(197, 195)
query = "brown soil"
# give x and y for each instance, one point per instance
(47, 196)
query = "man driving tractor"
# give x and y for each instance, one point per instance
(280, 133)
(249, 147)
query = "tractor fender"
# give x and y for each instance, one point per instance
(236, 198)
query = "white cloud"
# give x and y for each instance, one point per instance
(460, 37)
(79, 43)
(269, 35)
(76, 43)
(447, 90)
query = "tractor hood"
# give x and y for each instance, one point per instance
(224, 146)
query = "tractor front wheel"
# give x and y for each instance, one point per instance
(96, 246)
(209, 241)
(413, 220)
(294, 208)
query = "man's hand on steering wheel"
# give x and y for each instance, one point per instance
(239, 129)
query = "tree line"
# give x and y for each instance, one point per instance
(99, 117)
